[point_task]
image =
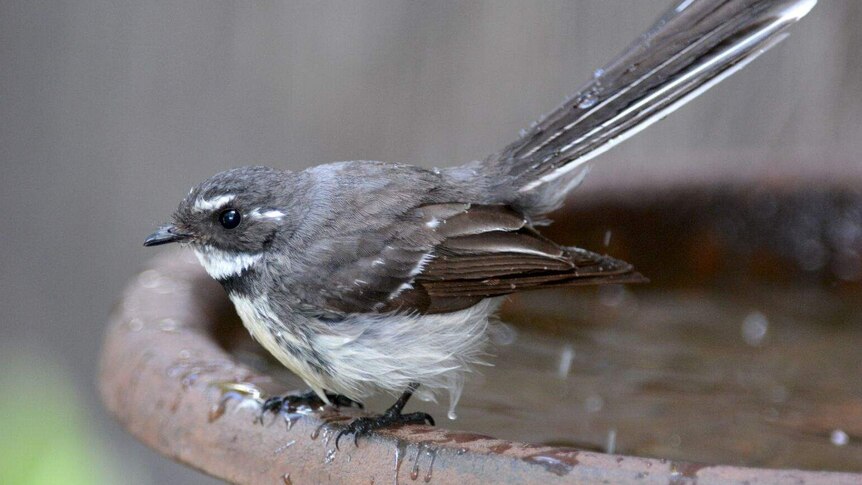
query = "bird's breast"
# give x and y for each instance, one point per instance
(266, 328)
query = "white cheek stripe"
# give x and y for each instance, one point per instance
(270, 214)
(202, 205)
(220, 264)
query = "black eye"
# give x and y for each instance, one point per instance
(229, 218)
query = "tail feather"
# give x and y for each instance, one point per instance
(694, 46)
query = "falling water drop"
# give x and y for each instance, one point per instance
(839, 438)
(754, 328)
(400, 449)
(594, 403)
(414, 473)
(433, 453)
(567, 355)
(611, 445)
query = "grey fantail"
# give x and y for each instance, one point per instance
(363, 276)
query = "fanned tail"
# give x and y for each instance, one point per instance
(692, 47)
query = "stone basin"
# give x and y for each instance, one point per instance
(738, 363)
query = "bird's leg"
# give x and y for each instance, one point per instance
(392, 417)
(291, 403)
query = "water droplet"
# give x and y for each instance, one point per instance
(454, 396)
(433, 453)
(283, 447)
(611, 443)
(165, 286)
(754, 328)
(503, 334)
(550, 463)
(778, 394)
(587, 100)
(168, 325)
(330, 456)
(400, 449)
(414, 473)
(247, 395)
(327, 435)
(839, 438)
(675, 440)
(135, 324)
(612, 295)
(149, 278)
(594, 403)
(607, 239)
(184, 354)
(598, 73)
(567, 355)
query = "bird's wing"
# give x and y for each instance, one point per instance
(470, 252)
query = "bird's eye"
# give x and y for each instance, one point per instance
(229, 218)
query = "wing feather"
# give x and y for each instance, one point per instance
(488, 251)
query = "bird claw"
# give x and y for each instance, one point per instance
(365, 426)
(291, 403)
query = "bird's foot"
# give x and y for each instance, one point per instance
(307, 401)
(392, 417)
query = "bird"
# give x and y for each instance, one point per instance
(367, 276)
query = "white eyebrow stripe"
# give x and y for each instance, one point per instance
(214, 203)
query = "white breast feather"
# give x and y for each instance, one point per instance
(221, 264)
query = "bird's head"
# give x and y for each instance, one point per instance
(230, 220)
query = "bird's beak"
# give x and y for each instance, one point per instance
(166, 234)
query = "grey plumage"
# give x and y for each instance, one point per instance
(367, 275)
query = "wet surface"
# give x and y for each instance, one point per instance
(746, 349)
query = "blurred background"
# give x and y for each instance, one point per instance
(111, 110)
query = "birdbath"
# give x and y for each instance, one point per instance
(737, 364)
